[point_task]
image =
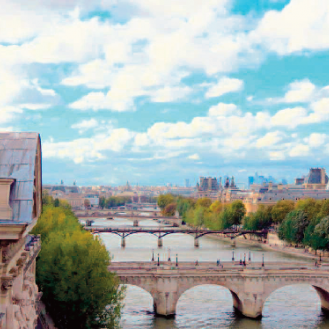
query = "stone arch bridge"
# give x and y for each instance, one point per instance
(249, 285)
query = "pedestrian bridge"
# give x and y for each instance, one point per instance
(161, 232)
(250, 284)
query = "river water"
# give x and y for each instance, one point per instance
(208, 306)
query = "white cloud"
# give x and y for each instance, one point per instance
(223, 86)
(170, 94)
(290, 117)
(85, 125)
(222, 109)
(35, 107)
(8, 114)
(300, 150)
(301, 25)
(300, 91)
(316, 139)
(194, 156)
(88, 149)
(269, 139)
(277, 155)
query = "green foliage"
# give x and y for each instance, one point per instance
(322, 230)
(293, 227)
(56, 202)
(184, 205)
(281, 209)
(118, 201)
(213, 215)
(102, 202)
(225, 219)
(204, 202)
(78, 290)
(199, 216)
(238, 211)
(310, 206)
(164, 200)
(324, 211)
(261, 219)
(170, 209)
(313, 239)
(216, 207)
(46, 198)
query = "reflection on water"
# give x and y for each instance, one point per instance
(209, 306)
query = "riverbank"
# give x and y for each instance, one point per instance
(273, 244)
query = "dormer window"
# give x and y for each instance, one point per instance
(5, 209)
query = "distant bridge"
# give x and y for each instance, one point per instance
(135, 216)
(250, 285)
(160, 233)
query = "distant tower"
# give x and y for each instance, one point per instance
(62, 182)
(227, 183)
(75, 183)
(232, 183)
(220, 182)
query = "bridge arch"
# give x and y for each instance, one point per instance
(233, 291)
(142, 294)
(321, 289)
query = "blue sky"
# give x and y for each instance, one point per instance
(156, 91)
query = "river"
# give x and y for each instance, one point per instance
(208, 306)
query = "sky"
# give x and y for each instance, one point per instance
(159, 91)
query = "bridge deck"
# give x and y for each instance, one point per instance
(168, 230)
(204, 267)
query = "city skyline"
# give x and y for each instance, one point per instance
(160, 92)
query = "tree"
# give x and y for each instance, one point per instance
(183, 205)
(321, 233)
(261, 219)
(164, 200)
(78, 290)
(199, 216)
(203, 202)
(224, 219)
(102, 202)
(324, 211)
(56, 202)
(311, 238)
(292, 229)
(216, 207)
(310, 206)
(170, 209)
(281, 209)
(86, 203)
(46, 198)
(238, 211)
(64, 204)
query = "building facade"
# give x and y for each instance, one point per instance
(20, 207)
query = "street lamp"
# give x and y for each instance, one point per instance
(158, 259)
(169, 259)
(232, 255)
(176, 260)
(249, 256)
(152, 255)
(263, 260)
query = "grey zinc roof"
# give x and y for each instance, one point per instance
(17, 160)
